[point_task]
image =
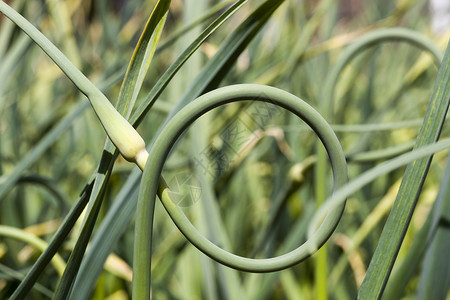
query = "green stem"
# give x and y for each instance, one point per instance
(22, 235)
(151, 185)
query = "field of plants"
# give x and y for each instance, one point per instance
(264, 149)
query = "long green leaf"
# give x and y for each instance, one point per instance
(111, 229)
(400, 215)
(180, 33)
(141, 59)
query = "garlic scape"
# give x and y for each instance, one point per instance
(122, 134)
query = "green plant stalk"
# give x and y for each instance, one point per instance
(378, 127)
(21, 235)
(151, 185)
(381, 154)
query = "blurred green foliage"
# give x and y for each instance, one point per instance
(243, 173)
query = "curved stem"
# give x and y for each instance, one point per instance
(151, 185)
(34, 241)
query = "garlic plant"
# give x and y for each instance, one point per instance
(252, 198)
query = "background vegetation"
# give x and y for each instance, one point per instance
(245, 174)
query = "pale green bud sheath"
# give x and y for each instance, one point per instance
(122, 134)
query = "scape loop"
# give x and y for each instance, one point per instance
(222, 96)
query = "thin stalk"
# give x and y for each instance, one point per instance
(21, 235)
